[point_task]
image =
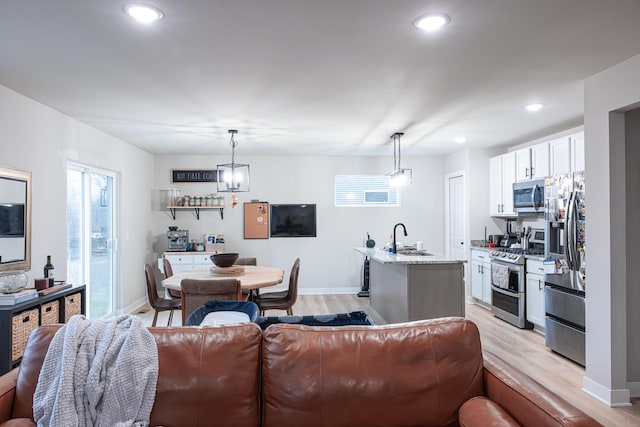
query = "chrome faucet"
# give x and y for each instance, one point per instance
(394, 235)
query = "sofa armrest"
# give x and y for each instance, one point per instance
(8, 383)
(481, 412)
(526, 400)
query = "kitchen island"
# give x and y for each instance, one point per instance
(415, 285)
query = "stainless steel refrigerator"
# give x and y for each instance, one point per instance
(565, 219)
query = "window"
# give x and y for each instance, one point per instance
(365, 190)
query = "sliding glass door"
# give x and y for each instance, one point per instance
(90, 236)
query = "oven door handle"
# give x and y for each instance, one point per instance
(505, 292)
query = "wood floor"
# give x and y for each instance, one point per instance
(524, 349)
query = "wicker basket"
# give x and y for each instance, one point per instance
(22, 325)
(72, 305)
(50, 313)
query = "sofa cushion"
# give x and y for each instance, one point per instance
(416, 373)
(208, 376)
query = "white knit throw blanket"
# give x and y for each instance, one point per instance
(98, 373)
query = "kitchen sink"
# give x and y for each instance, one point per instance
(413, 252)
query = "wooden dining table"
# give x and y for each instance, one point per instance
(251, 277)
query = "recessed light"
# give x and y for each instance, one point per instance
(460, 140)
(432, 21)
(534, 107)
(143, 13)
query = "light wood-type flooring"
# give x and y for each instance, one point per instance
(524, 349)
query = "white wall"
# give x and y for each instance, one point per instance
(36, 138)
(632, 200)
(328, 262)
(607, 95)
(475, 165)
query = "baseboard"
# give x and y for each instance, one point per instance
(634, 388)
(328, 291)
(133, 307)
(613, 398)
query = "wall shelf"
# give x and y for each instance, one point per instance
(195, 209)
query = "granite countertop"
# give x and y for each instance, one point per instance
(384, 257)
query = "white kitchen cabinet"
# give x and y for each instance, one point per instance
(532, 162)
(202, 260)
(560, 156)
(481, 276)
(187, 261)
(535, 293)
(577, 152)
(540, 160)
(523, 164)
(502, 173)
(180, 262)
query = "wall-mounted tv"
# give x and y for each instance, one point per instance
(11, 220)
(293, 220)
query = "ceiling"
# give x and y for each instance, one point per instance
(315, 77)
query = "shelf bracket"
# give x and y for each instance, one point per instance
(196, 211)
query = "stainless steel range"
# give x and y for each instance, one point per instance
(508, 285)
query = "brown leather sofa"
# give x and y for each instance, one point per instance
(424, 373)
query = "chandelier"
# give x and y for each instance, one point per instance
(233, 177)
(398, 176)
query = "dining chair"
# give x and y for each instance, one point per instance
(282, 300)
(246, 293)
(168, 272)
(156, 302)
(196, 292)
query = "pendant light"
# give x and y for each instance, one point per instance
(233, 177)
(399, 176)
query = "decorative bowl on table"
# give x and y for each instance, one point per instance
(13, 281)
(224, 259)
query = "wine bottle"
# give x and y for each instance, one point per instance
(48, 271)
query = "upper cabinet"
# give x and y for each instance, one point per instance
(577, 152)
(540, 161)
(502, 175)
(567, 154)
(532, 162)
(560, 155)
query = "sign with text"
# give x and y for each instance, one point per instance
(194, 175)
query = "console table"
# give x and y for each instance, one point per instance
(17, 321)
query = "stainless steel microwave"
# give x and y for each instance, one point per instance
(528, 196)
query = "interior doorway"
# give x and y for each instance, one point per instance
(90, 235)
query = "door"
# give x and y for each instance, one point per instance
(535, 299)
(495, 185)
(90, 236)
(477, 280)
(523, 164)
(456, 212)
(508, 178)
(559, 155)
(539, 161)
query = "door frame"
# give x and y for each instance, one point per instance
(115, 176)
(447, 213)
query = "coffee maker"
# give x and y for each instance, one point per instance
(177, 240)
(509, 237)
